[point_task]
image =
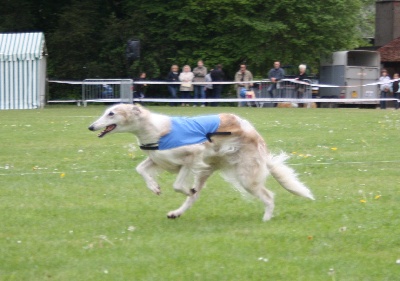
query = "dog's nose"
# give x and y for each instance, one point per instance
(91, 128)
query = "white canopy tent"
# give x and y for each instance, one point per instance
(22, 70)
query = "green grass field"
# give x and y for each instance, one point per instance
(72, 206)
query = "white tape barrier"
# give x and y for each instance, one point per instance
(262, 100)
(263, 81)
(150, 82)
(118, 81)
(99, 82)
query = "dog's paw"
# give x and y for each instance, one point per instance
(173, 215)
(267, 217)
(156, 189)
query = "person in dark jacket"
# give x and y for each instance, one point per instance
(275, 75)
(301, 88)
(396, 90)
(139, 89)
(217, 75)
(302, 72)
(173, 89)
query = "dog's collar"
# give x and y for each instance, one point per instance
(149, 146)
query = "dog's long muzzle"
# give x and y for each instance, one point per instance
(107, 129)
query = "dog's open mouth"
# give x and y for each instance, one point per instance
(108, 129)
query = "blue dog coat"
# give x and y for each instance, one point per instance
(187, 131)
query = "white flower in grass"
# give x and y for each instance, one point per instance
(104, 238)
(331, 271)
(89, 246)
(131, 228)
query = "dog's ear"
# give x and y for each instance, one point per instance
(136, 109)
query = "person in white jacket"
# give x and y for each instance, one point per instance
(384, 85)
(186, 77)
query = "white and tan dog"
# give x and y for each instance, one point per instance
(234, 147)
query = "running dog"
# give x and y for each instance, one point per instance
(196, 147)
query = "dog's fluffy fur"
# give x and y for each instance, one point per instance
(242, 157)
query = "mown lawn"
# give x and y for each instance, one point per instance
(73, 208)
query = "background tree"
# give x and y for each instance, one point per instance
(87, 38)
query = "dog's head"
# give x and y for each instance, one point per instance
(119, 118)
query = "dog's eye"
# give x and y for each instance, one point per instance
(111, 113)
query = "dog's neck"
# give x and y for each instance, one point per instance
(153, 129)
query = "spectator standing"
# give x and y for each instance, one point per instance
(186, 77)
(139, 89)
(384, 81)
(241, 77)
(108, 92)
(208, 88)
(301, 88)
(275, 75)
(396, 90)
(200, 73)
(173, 76)
(217, 75)
(302, 72)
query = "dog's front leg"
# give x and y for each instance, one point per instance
(199, 181)
(148, 170)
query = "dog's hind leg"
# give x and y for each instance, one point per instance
(251, 177)
(199, 182)
(257, 189)
(267, 197)
(148, 170)
(182, 183)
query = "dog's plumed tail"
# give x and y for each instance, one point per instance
(286, 176)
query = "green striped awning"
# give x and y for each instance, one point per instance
(21, 46)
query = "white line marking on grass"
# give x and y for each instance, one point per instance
(130, 169)
(79, 116)
(58, 173)
(351, 162)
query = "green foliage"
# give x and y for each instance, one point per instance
(366, 23)
(87, 39)
(72, 206)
